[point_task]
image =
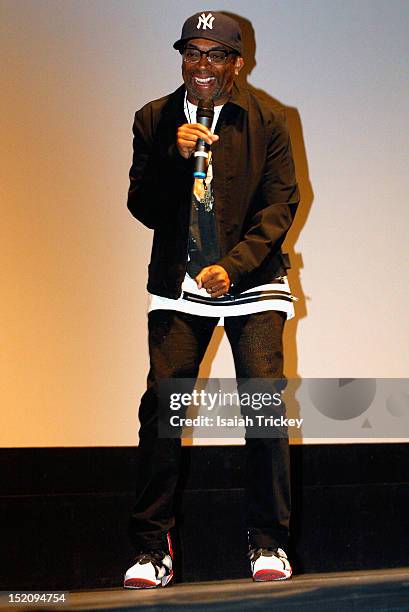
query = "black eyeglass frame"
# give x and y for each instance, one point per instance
(206, 53)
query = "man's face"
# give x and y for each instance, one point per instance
(208, 80)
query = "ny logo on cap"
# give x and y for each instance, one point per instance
(205, 21)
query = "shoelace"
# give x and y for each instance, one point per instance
(151, 556)
(255, 553)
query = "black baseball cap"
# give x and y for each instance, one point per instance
(212, 26)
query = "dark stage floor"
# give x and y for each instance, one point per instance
(347, 591)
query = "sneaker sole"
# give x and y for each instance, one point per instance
(142, 583)
(269, 575)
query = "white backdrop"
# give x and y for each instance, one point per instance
(74, 354)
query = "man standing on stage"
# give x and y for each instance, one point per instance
(216, 254)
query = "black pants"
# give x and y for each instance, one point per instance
(177, 344)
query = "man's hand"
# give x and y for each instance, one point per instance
(214, 279)
(187, 136)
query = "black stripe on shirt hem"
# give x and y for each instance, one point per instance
(232, 298)
(191, 297)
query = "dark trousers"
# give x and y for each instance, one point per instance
(177, 344)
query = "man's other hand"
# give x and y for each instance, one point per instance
(187, 135)
(214, 279)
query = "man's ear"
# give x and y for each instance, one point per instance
(238, 64)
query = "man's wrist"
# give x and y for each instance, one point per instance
(231, 272)
(176, 156)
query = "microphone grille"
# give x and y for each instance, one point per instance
(205, 108)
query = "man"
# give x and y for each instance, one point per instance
(216, 253)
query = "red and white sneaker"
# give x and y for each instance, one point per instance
(151, 569)
(269, 564)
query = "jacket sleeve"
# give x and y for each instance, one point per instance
(154, 166)
(141, 200)
(272, 212)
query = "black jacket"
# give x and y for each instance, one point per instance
(255, 189)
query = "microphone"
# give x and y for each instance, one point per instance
(204, 116)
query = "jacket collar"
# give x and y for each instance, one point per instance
(239, 97)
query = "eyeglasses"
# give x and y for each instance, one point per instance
(214, 56)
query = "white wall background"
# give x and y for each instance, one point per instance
(73, 323)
